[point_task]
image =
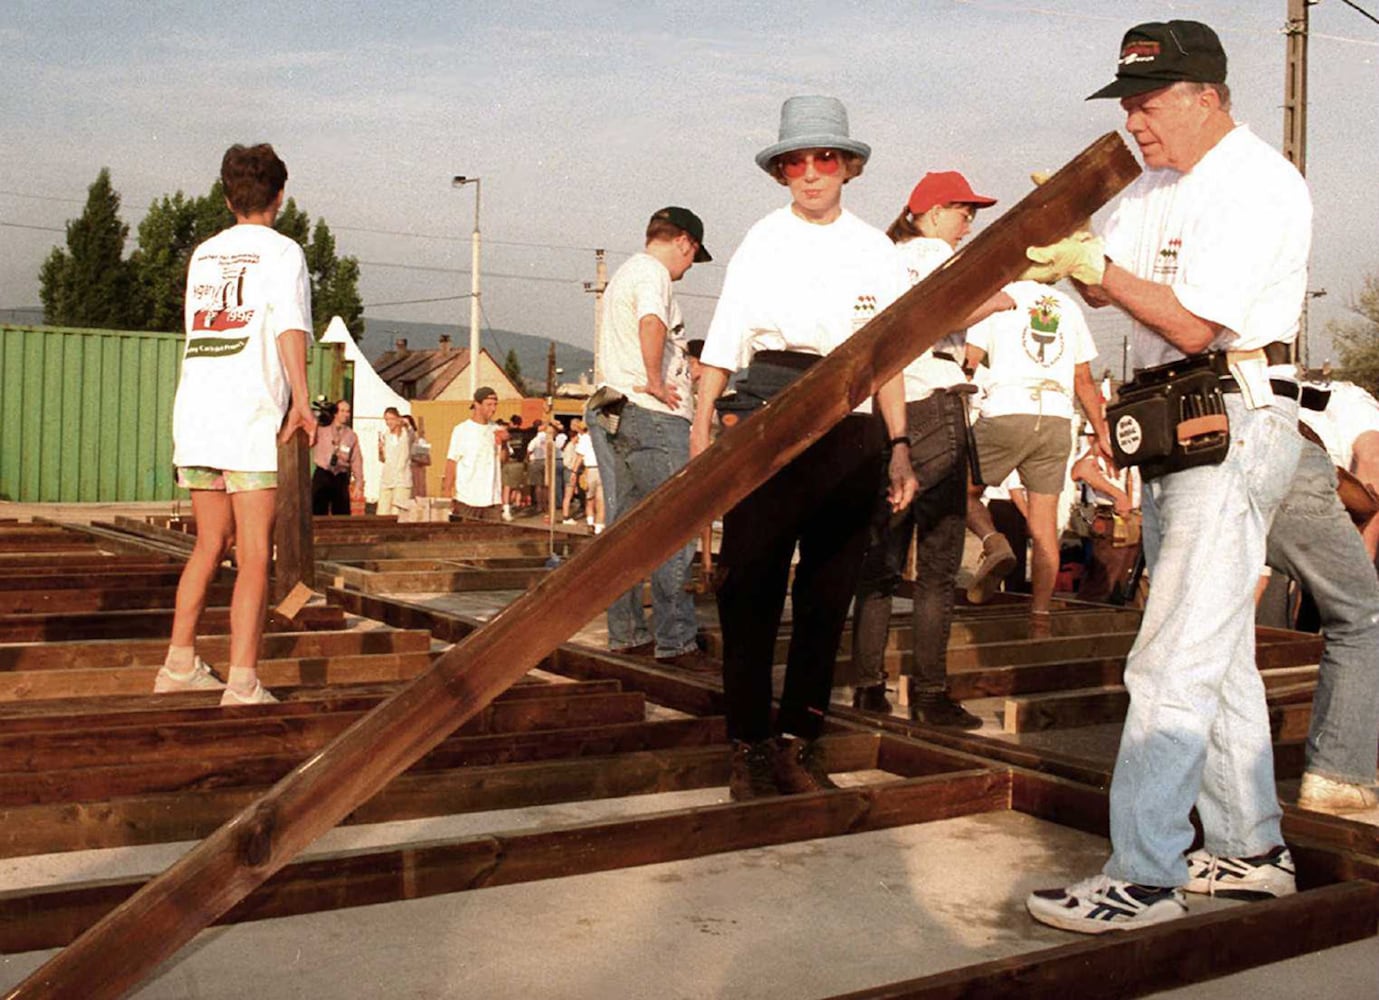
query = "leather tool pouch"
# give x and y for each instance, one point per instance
(768, 373)
(1171, 417)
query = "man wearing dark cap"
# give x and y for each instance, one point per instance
(473, 477)
(1207, 253)
(639, 422)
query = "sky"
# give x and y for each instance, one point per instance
(583, 118)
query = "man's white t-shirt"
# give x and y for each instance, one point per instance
(1231, 237)
(478, 474)
(1350, 412)
(642, 287)
(584, 448)
(1032, 352)
(793, 285)
(246, 286)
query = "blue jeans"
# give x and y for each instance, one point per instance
(648, 449)
(1197, 730)
(1314, 542)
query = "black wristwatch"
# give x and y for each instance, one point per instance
(902, 439)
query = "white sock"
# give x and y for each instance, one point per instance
(243, 679)
(180, 659)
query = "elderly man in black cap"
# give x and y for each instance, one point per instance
(639, 423)
(1207, 254)
(473, 468)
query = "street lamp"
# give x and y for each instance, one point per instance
(459, 180)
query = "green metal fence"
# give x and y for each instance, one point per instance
(86, 415)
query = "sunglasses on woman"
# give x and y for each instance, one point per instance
(826, 161)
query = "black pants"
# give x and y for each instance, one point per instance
(937, 429)
(330, 492)
(822, 501)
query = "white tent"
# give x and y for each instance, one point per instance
(371, 397)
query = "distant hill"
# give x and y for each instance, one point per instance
(380, 335)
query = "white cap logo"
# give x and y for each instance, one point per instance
(1128, 434)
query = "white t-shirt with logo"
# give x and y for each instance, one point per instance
(642, 287)
(1032, 352)
(1231, 236)
(928, 373)
(1350, 412)
(478, 473)
(246, 286)
(794, 285)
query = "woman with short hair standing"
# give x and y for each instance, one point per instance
(804, 279)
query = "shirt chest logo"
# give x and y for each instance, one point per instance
(1166, 260)
(863, 309)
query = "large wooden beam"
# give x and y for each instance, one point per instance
(294, 560)
(131, 941)
(1178, 953)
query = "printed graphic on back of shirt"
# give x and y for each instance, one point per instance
(1041, 340)
(220, 308)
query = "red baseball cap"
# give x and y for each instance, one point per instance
(944, 187)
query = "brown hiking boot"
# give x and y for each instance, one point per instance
(752, 772)
(799, 766)
(998, 559)
(1322, 794)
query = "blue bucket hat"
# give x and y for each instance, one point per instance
(812, 122)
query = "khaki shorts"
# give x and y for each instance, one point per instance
(1037, 446)
(201, 477)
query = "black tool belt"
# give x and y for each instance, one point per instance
(1172, 417)
(768, 374)
(1281, 386)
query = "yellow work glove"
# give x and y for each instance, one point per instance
(1080, 256)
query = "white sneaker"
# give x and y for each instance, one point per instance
(200, 678)
(1321, 794)
(1262, 877)
(258, 696)
(1101, 903)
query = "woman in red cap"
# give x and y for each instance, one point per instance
(935, 220)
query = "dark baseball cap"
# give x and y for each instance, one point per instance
(691, 224)
(484, 392)
(1158, 54)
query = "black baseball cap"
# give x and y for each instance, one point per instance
(1158, 54)
(691, 224)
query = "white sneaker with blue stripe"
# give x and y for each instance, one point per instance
(1101, 903)
(1265, 876)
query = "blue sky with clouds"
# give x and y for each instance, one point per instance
(582, 118)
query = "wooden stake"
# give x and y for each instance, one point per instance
(127, 944)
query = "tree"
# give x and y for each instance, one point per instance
(512, 368)
(1357, 341)
(89, 283)
(334, 283)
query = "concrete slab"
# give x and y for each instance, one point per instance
(810, 919)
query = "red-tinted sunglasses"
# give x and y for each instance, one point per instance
(794, 165)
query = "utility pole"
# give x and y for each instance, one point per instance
(1295, 122)
(597, 286)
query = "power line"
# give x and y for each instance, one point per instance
(1360, 10)
(413, 302)
(465, 270)
(43, 229)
